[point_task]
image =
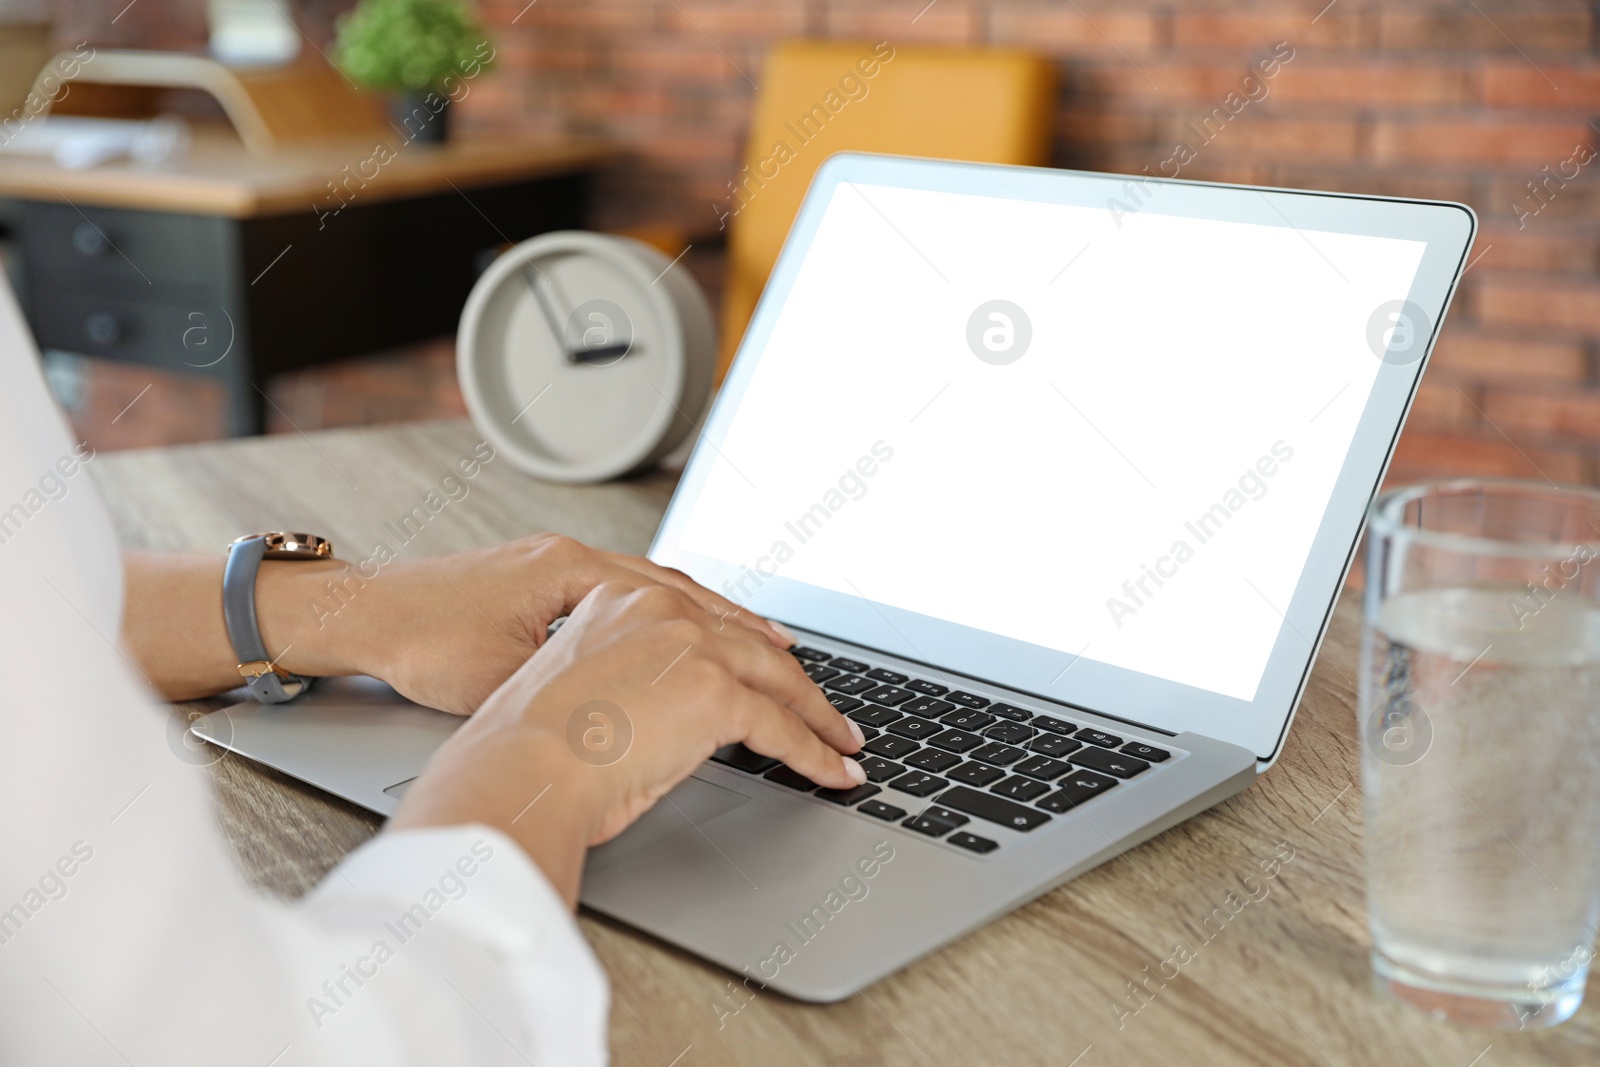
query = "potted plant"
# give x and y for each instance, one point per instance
(421, 52)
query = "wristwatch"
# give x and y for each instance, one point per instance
(266, 681)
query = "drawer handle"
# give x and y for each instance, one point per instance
(90, 240)
(103, 327)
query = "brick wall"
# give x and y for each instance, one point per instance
(1485, 101)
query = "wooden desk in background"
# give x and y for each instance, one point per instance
(1285, 982)
(315, 253)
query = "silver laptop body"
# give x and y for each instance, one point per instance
(1012, 751)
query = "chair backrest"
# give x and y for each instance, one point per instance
(990, 105)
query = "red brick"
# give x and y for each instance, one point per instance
(1164, 81)
(1372, 84)
(1341, 26)
(720, 20)
(1538, 301)
(1076, 31)
(1444, 404)
(1507, 358)
(1535, 247)
(1525, 414)
(1469, 29)
(1539, 204)
(1257, 135)
(589, 16)
(1485, 141)
(1514, 83)
(1442, 455)
(944, 22)
(1093, 126)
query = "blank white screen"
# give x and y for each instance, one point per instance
(1166, 360)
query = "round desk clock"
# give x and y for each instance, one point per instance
(583, 356)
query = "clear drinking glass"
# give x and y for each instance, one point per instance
(1480, 720)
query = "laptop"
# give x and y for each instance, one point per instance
(1057, 475)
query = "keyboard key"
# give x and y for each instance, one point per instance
(1054, 745)
(792, 779)
(1042, 767)
(927, 707)
(967, 700)
(1008, 732)
(889, 695)
(914, 728)
(956, 741)
(927, 824)
(814, 654)
(918, 784)
(853, 666)
(742, 759)
(819, 674)
(943, 814)
(868, 733)
(880, 770)
(1011, 711)
(1020, 788)
(999, 755)
(890, 747)
(971, 842)
(929, 689)
(879, 810)
(1145, 752)
(1095, 737)
(1055, 726)
(977, 774)
(850, 683)
(1116, 763)
(1075, 789)
(932, 760)
(873, 715)
(843, 704)
(880, 675)
(994, 809)
(968, 719)
(847, 797)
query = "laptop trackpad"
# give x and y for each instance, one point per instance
(692, 803)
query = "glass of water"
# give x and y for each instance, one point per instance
(1480, 721)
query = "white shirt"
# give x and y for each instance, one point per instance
(126, 933)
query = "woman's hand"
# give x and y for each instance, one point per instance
(444, 631)
(674, 680)
(447, 631)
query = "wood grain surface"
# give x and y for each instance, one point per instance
(219, 176)
(1285, 981)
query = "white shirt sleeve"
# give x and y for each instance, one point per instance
(126, 932)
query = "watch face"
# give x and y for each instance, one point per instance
(282, 545)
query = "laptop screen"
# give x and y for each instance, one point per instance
(1101, 429)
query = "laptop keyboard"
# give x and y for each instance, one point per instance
(977, 762)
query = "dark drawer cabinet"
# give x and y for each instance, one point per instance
(243, 298)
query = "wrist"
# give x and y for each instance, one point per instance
(299, 610)
(521, 780)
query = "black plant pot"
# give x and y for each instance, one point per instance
(421, 117)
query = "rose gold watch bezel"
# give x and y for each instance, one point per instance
(285, 545)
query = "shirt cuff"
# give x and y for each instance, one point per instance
(481, 884)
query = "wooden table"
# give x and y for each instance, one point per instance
(1286, 981)
(237, 266)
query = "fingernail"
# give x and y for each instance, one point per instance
(853, 769)
(784, 632)
(855, 732)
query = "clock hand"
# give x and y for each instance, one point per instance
(587, 354)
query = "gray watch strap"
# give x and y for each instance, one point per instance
(244, 631)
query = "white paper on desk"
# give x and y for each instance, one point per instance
(80, 143)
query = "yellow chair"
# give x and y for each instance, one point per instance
(990, 105)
